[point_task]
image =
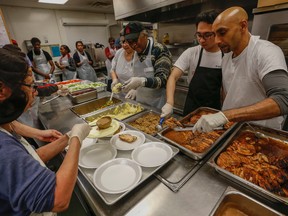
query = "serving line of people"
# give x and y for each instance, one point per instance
(254, 81)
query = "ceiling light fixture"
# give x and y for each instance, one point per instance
(53, 1)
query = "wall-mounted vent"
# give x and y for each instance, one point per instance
(103, 4)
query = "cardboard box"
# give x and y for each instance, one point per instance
(264, 3)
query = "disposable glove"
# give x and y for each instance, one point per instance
(167, 110)
(114, 82)
(80, 131)
(208, 122)
(63, 91)
(131, 94)
(134, 83)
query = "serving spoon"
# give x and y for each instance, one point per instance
(257, 133)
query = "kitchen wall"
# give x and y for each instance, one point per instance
(24, 23)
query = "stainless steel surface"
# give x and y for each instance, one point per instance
(180, 98)
(270, 23)
(111, 112)
(257, 133)
(196, 197)
(195, 155)
(111, 199)
(83, 97)
(178, 171)
(233, 201)
(93, 106)
(47, 101)
(270, 133)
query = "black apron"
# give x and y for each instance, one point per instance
(204, 88)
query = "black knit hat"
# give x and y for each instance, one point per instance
(132, 30)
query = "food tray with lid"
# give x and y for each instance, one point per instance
(251, 161)
(147, 172)
(93, 106)
(234, 202)
(195, 115)
(120, 112)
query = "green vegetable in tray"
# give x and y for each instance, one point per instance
(80, 86)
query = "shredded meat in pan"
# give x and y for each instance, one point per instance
(260, 161)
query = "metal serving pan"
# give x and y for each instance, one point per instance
(112, 110)
(83, 97)
(233, 201)
(140, 115)
(94, 105)
(185, 120)
(147, 172)
(270, 133)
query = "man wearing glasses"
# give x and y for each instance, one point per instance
(203, 63)
(151, 66)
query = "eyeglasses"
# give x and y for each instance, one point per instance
(205, 35)
(33, 86)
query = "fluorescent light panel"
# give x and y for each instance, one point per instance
(53, 1)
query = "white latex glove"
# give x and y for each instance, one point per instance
(167, 110)
(134, 83)
(80, 131)
(131, 94)
(63, 91)
(114, 82)
(208, 122)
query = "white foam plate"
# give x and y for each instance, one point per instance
(117, 176)
(95, 155)
(96, 133)
(121, 145)
(152, 154)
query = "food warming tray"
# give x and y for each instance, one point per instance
(110, 112)
(111, 199)
(93, 106)
(83, 97)
(270, 133)
(137, 116)
(233, 201)
(185, 120)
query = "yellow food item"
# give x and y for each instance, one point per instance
(127, 138)
(117, 88)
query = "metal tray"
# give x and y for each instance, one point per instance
(234, 199)
(269, 132)
(195, 155)
(135, 117)
(83, 97)
(111, 199)
(110, 111)
(93, 106)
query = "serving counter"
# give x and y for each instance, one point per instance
(197, 196)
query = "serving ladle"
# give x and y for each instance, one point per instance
(257, 133)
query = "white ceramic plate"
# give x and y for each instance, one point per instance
(117, 176)
(96, 133)
(95, 155)
(152, 154)
(121, 145)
